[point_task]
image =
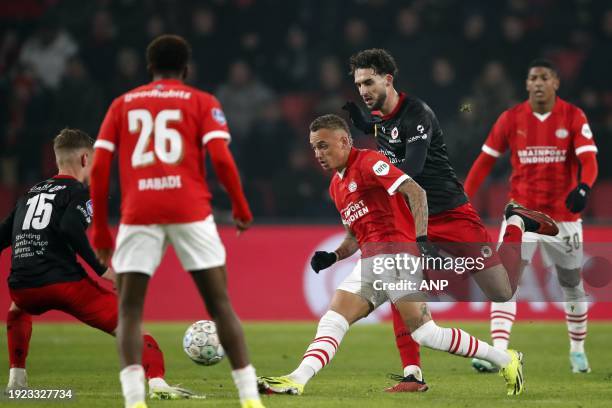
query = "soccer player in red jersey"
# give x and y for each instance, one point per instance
(160, 131)
(46, 231)
(554, 166)
(380, 224)
(408, 133)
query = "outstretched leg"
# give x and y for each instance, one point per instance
(456, 341)
(346, 308)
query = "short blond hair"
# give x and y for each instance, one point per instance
(69, 141)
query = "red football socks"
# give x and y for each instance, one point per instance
(152, 358)
(19, 332)
(409, 349)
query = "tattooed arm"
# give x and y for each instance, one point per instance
(417, 201)
(348, 246)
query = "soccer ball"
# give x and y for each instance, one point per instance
(201, 343)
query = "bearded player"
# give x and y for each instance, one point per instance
(407, 132)
(160, 132)
(371, 196)
(47, 231)
(554, 166)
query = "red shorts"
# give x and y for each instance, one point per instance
(85, 299)
(460, 232)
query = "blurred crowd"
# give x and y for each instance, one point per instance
(275, 65)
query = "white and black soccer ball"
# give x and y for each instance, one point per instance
(201, 343)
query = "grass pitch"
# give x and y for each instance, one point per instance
(75, 356)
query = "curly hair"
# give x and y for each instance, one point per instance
(376, 58)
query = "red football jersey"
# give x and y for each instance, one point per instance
(544, 150)
(159, 131)
(364, 194)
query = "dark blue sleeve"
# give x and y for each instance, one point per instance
(419, 131)
(73, 226)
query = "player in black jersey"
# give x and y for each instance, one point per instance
(46, 231)
(409, 134)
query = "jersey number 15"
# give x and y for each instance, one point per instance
(167, 142)
(39, 211)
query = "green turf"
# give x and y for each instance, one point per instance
(77, 357)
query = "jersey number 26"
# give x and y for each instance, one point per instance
(167, 142)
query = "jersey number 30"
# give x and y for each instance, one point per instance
(167, 142)
(39, 211)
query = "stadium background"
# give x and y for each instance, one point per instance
(274, 66)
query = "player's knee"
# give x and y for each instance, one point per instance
(568, 278)
(503, 295)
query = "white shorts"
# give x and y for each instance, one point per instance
(565, 249)
(373, 287)
(140, 248)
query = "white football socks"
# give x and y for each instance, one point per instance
(246, 383)
(332, 328)
(133, 384)
(459, 342)
(502, 319)
(576, 315)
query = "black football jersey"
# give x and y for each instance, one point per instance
(46, 231)
(411, 138)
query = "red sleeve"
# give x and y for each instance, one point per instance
(376, 167)
(588, 169)
(226, 171)
(497, 141)
(109, 130)
(582, 136)
(100, 172)
(214, 123)
(478, 173)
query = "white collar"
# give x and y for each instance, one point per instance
(542, 116)
(340, 173)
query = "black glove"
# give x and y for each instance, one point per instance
(361, 120)
(323, 260)
(428, 249)
(577, 198)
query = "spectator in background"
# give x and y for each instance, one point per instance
(241, 96)
(301, 190)
(79, 101)
(271, 137)
(600, 57)
(30, 122)
(210, 58)
(411, 50)
(475, 48)
(444, 90)
(47, 51)
(293, 64)
(356, 37)
(128, 73)
(99, 50)
(331, 91)
(515, 47)
(493, 93)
